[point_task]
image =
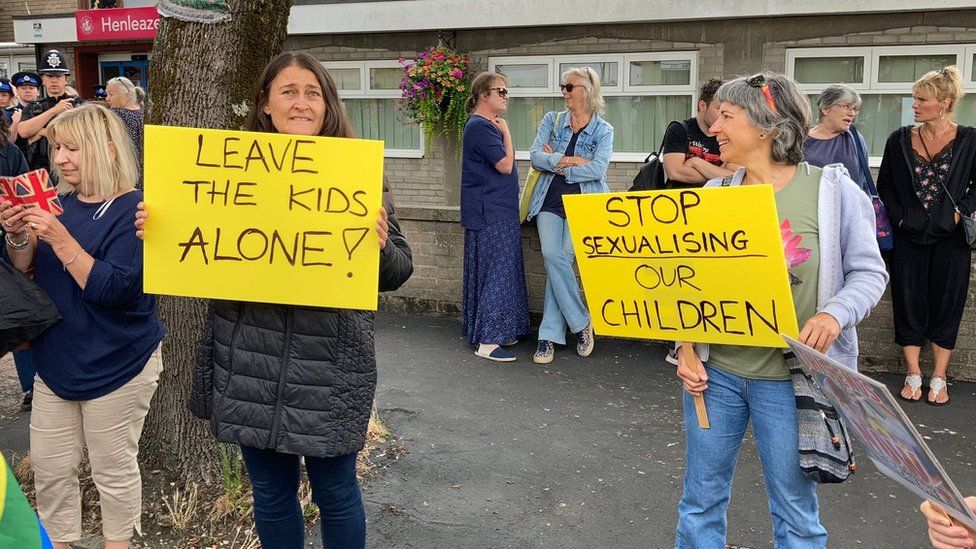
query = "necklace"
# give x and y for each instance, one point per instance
(935, 137)
(778, 176)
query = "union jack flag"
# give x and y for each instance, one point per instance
(31, 189)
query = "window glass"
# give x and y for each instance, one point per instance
(829, 70)
(660, 73)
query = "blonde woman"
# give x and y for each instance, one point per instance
(573, 156)
(129, 102)
(98, 367)
(926, 183)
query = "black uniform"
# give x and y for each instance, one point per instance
(37, 152)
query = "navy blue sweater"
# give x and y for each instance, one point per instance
(109, 329)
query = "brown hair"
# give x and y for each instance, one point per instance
(708, 90)
(942, 84)
(336, 122)
(481, 85)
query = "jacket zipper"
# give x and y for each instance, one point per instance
(282, 377)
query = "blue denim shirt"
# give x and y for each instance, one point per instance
(595, 143)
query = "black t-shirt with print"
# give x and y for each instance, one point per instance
(696, 144)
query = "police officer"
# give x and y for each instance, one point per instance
(100, 92)
(33, 123)
(27, 87)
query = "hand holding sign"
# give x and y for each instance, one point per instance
(943, 533)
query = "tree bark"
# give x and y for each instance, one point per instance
(198, 74)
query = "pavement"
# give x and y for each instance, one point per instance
(581, 453)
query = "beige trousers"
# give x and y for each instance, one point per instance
(110, 426)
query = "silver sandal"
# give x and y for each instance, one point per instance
(936, 386)
(914, 382)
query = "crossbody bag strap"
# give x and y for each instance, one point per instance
(929, 161)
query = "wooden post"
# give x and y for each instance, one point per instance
(688, 351)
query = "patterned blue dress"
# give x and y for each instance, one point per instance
(494, 302)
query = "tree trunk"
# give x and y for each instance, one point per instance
(198, 75)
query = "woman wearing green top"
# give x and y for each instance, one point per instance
(836, 275)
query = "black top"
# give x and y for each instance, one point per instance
(558, 187)
(896, 187)
(693, 143)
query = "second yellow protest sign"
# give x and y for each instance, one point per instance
(262, 217)
(700, 265)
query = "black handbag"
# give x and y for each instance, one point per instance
(25, 310)
(651, 176)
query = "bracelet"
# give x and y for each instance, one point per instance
(65, 265)
(16, 246)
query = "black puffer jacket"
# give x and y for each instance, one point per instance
(298, 380)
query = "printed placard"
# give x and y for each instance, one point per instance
(888, 435)
(262, 217)
(702, 265)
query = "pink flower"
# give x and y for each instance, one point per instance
(795, 255)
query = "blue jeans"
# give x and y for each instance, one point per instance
(563, 306)
(277, 513)
(732, 402)
(24, 361)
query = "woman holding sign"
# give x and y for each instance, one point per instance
(98, 367)
(836, 275)
(572, 150)
(291, 383)
(494, 304)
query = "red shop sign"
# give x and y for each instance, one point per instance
(117, 24)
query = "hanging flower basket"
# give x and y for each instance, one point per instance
(435, 86)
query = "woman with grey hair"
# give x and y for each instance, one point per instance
(129, 102)
(836, 276)
(572, 151)
(835, 139)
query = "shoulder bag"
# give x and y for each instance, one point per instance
(532, 178)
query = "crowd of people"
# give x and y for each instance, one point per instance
(291, 384)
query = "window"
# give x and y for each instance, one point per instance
(643, 92)
(370, 91)
(883, 76)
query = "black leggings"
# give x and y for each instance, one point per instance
(929, 284)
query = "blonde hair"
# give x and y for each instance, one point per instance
(942, 84)
(107, 164)
(591, 82)
(136, 94)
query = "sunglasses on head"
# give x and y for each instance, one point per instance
(502, 92)
(759, 81)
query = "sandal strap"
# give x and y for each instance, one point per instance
(937, 385)
(914, 381)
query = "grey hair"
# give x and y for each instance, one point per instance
(787, 126)
(136, 93)
(591, 82)
(837, 94)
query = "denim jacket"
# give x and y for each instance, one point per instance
(594, 143)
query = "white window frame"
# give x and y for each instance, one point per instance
(623, 87)
(365, 92)
(872, 60)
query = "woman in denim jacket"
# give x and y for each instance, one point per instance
(572, 150)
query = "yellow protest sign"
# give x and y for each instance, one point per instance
(262, 217)
(701, 265)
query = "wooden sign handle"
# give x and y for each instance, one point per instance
(688, 351)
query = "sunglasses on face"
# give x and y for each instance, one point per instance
(759, 81)
(568, 88)
(502, 92)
